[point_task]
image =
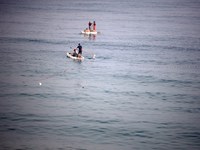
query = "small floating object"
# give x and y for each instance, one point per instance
(40, 83)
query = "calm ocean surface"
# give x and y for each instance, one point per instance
(142, 91)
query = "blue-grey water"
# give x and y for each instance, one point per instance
(142, 90)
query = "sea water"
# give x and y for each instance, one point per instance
(142, 90)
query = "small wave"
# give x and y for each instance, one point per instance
(30, 40)
(104, 121)
(177, 82)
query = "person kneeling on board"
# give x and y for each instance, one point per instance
(86, 30)
(75, 54)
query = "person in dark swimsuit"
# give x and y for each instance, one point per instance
(75, 54)
(80, 49)
(90, 26)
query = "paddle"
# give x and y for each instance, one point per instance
(85, 52)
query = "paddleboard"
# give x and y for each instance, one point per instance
(72, 57)
(94, 32)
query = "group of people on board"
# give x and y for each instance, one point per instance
(80, 50)
(90, 27)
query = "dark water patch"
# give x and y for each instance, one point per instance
(11, 129)
(31, 40)
(104, 121)
(139, 133)
(30, 96)
(20, 118)
(190, 134)
(35, 95)
(189, 110)
(100, 131)
(187, 99)
(176, 83)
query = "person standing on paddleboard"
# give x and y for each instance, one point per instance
(80, 49)
(94, 26)
(90, 26)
